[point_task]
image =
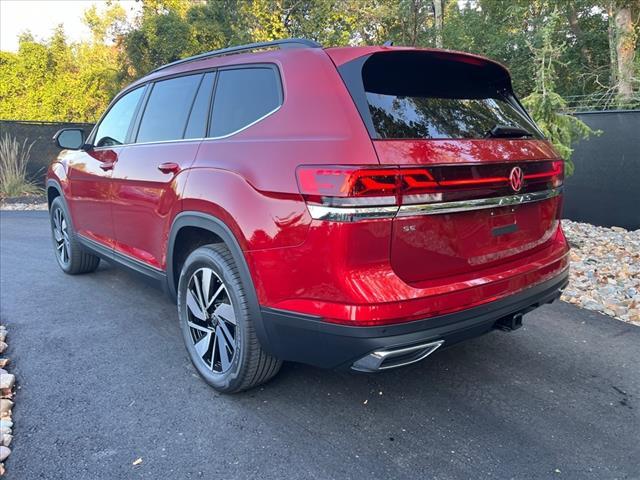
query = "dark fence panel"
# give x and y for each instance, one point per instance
(605, 188)
(43, 150)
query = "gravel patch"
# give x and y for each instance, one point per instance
(605, 270)
(7, 382)
(30, 202)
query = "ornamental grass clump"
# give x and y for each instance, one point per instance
(13, 168)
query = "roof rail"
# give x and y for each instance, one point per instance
(285, 43)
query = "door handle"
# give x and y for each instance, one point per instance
(107, 165)
(169, 167)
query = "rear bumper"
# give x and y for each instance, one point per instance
(307, 339)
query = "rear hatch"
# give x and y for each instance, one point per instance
(484, 185)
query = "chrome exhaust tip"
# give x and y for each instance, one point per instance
(395, 357)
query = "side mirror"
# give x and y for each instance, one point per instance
(69, 138)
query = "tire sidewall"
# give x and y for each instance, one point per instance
(201, 258)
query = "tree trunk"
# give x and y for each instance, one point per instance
(438, 11)
(613, 58)
(625, 52)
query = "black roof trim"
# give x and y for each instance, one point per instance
(285, 43)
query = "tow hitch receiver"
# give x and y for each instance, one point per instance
(510, 323)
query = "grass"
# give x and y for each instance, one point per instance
(13, 168)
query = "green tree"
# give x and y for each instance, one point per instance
(546, 105)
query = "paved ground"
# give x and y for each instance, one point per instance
(105, 379)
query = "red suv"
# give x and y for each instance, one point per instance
(350, 207)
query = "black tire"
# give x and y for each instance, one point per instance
(70, 254)
(250, 365)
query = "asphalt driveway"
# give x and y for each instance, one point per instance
(104, 379)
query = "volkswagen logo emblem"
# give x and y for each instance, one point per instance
(516, 179)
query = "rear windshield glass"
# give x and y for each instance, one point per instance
(418, 96)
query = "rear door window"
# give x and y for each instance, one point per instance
(418, 95)
(165, 115)
(197, 125)
(243, 96)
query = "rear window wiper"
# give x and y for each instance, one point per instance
(505, 131)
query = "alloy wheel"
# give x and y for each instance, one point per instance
(61, 236)
(211, 320)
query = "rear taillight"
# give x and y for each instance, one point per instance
(554, 175)
(347, 186)
(349, 193)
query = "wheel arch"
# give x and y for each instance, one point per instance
(220, 229)
(55, 190)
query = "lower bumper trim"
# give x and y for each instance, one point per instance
(307, 339)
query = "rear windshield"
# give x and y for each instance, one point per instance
(419, 95)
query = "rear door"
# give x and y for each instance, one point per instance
(147, 179)
(486, 186)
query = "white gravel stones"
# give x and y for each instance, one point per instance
(24, 206)
(605, 270)
(7, 382)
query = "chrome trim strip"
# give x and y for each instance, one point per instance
(268, 114)
(199, 139)
(477, 204)
(354, 214)
(350, 214)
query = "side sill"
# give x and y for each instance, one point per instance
(123, 260)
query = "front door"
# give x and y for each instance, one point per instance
(89, 171)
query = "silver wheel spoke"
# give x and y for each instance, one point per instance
(228, 337)
(226, 312)
(222, 349)
(194, 306)
(202, 345)
(199, 327)
(213, 353)
(196, 284)
(206, 286)
(215, 295)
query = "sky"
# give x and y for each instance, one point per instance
(42, 16)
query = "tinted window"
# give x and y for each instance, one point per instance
(418, 96)
(197, 126)
(115, 125)
(165, 115)
(242, 97)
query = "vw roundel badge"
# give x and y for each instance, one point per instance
(516, 179)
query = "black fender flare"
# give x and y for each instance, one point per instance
(219, 228)
(55, 184)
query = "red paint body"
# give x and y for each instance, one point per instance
(364, 273)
